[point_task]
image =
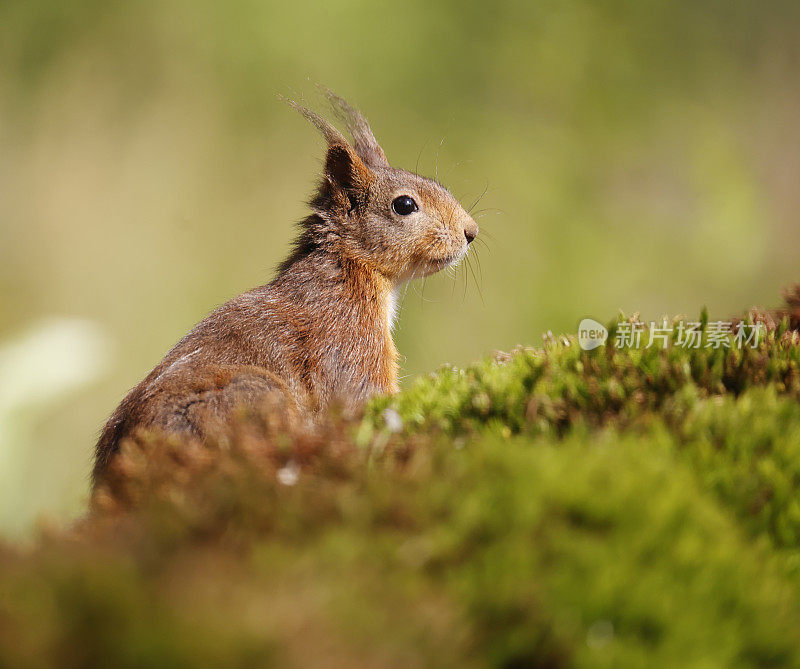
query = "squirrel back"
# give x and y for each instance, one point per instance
(321, 331)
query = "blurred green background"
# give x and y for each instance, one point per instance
(638, 156)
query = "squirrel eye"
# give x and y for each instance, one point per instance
(404, 205)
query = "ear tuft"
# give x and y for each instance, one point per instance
(331, 134)
(347, 176)
(364, 141)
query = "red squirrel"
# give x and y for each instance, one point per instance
(321, 331)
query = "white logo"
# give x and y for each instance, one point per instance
(591, 334)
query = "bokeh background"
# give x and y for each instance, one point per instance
(635, 155)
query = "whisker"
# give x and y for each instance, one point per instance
(491, 210)
(436, 167)
(477, 285)
(422, 294)
(480, 268)
(480, 197)
(485, 233)
(408, 283)
(417, 293)
(419, 155)
(485, 245)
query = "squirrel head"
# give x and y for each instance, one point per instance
(398, 223)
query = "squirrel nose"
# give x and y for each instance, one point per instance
(470, 232)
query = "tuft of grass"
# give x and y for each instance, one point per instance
(547, 507)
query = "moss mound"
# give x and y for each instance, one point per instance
(549, 507)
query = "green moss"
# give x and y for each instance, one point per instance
(551, 507)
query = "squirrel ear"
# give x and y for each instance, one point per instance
(364, 142)
(345, 170)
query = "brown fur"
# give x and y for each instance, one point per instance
(321, 331)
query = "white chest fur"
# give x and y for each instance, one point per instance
(390, 308)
